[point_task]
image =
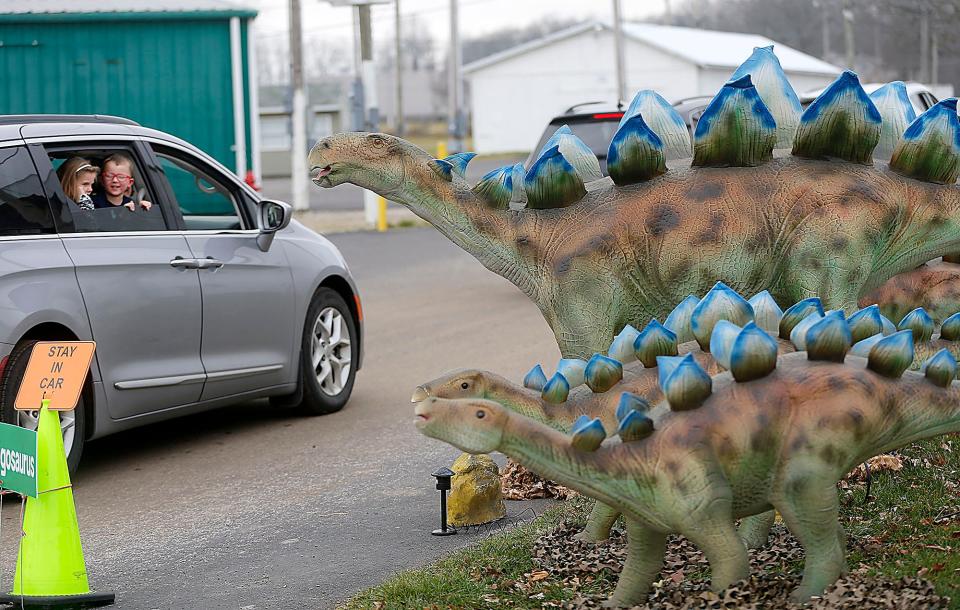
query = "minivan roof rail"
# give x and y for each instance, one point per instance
(15, 119)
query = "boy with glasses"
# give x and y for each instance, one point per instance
(115, 179)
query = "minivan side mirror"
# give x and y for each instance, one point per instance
(273, 216)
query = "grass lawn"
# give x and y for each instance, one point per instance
(911, 526)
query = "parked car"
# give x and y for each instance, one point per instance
(593, 122)
(920, 95)
(596, 122)
(691, 109)
(210, 297)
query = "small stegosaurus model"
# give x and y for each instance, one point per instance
(567, 396)
(595, 253)
(773, 432)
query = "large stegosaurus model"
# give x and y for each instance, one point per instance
(770, 433)
(598, 253)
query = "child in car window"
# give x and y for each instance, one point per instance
(116, 178)
(77, 176)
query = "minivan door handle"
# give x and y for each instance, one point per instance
(179, 262)
(209, 263)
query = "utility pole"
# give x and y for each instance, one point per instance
(667, 13)
(364, 109)
(358, 118)
(618, 52)
(455, 94)
(398, 91)
(848, 33)
(826, 31)
(924, 45)
(298, 113)
(368, 70)
(934, 59)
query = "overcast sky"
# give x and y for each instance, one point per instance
(476, 16)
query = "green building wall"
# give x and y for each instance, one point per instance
(167, 71)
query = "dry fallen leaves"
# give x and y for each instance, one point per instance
(683, 584)
(518, 483)
(879, 463)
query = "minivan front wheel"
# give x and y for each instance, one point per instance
(71, 422)
(327, 354)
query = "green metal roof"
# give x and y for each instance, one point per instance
(81, 10)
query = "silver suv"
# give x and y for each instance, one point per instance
(205, 296)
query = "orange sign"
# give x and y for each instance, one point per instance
(56, 372)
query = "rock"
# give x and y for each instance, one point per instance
(475, 496)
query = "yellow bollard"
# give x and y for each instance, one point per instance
(381, 214)
(441, 149)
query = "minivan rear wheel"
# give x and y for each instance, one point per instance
(327, 354)
(71, 422)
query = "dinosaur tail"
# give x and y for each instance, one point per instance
(927, 406)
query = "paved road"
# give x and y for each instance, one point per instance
(244, 508)
(349, 197)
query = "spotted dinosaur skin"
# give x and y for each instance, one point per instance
(934, 286)
(780, 441)
(637, 380)
(797, 227)
(582, 401)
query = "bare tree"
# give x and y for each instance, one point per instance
(273, 61)
(477, 47)
(885, 34)
(325, 57)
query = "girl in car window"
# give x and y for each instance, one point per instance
(77, 176)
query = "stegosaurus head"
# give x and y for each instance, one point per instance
(471, 425)
(376, 161)
(469, 383)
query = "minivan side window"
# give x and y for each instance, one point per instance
(24, 209)
(207, 204)
(105, 189)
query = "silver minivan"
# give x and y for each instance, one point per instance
(198, 293)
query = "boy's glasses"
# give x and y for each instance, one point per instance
(121, 178)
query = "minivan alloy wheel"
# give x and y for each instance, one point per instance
(68, 420)
(331, 353)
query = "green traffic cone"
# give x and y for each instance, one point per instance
(50, 568)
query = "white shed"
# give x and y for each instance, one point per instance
(514, 93)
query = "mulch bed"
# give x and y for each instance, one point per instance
(683, 583)
(518, 483)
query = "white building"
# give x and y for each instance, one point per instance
(514, 93)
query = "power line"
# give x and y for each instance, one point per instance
(377, 18)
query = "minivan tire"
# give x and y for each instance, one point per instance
(10, 384)
(330, 397)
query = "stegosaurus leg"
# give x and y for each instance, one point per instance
(645, 551)
(717, 537)
(601, 519)
(810, 510)
(755, 529)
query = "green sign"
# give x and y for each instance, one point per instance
(18, 459)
